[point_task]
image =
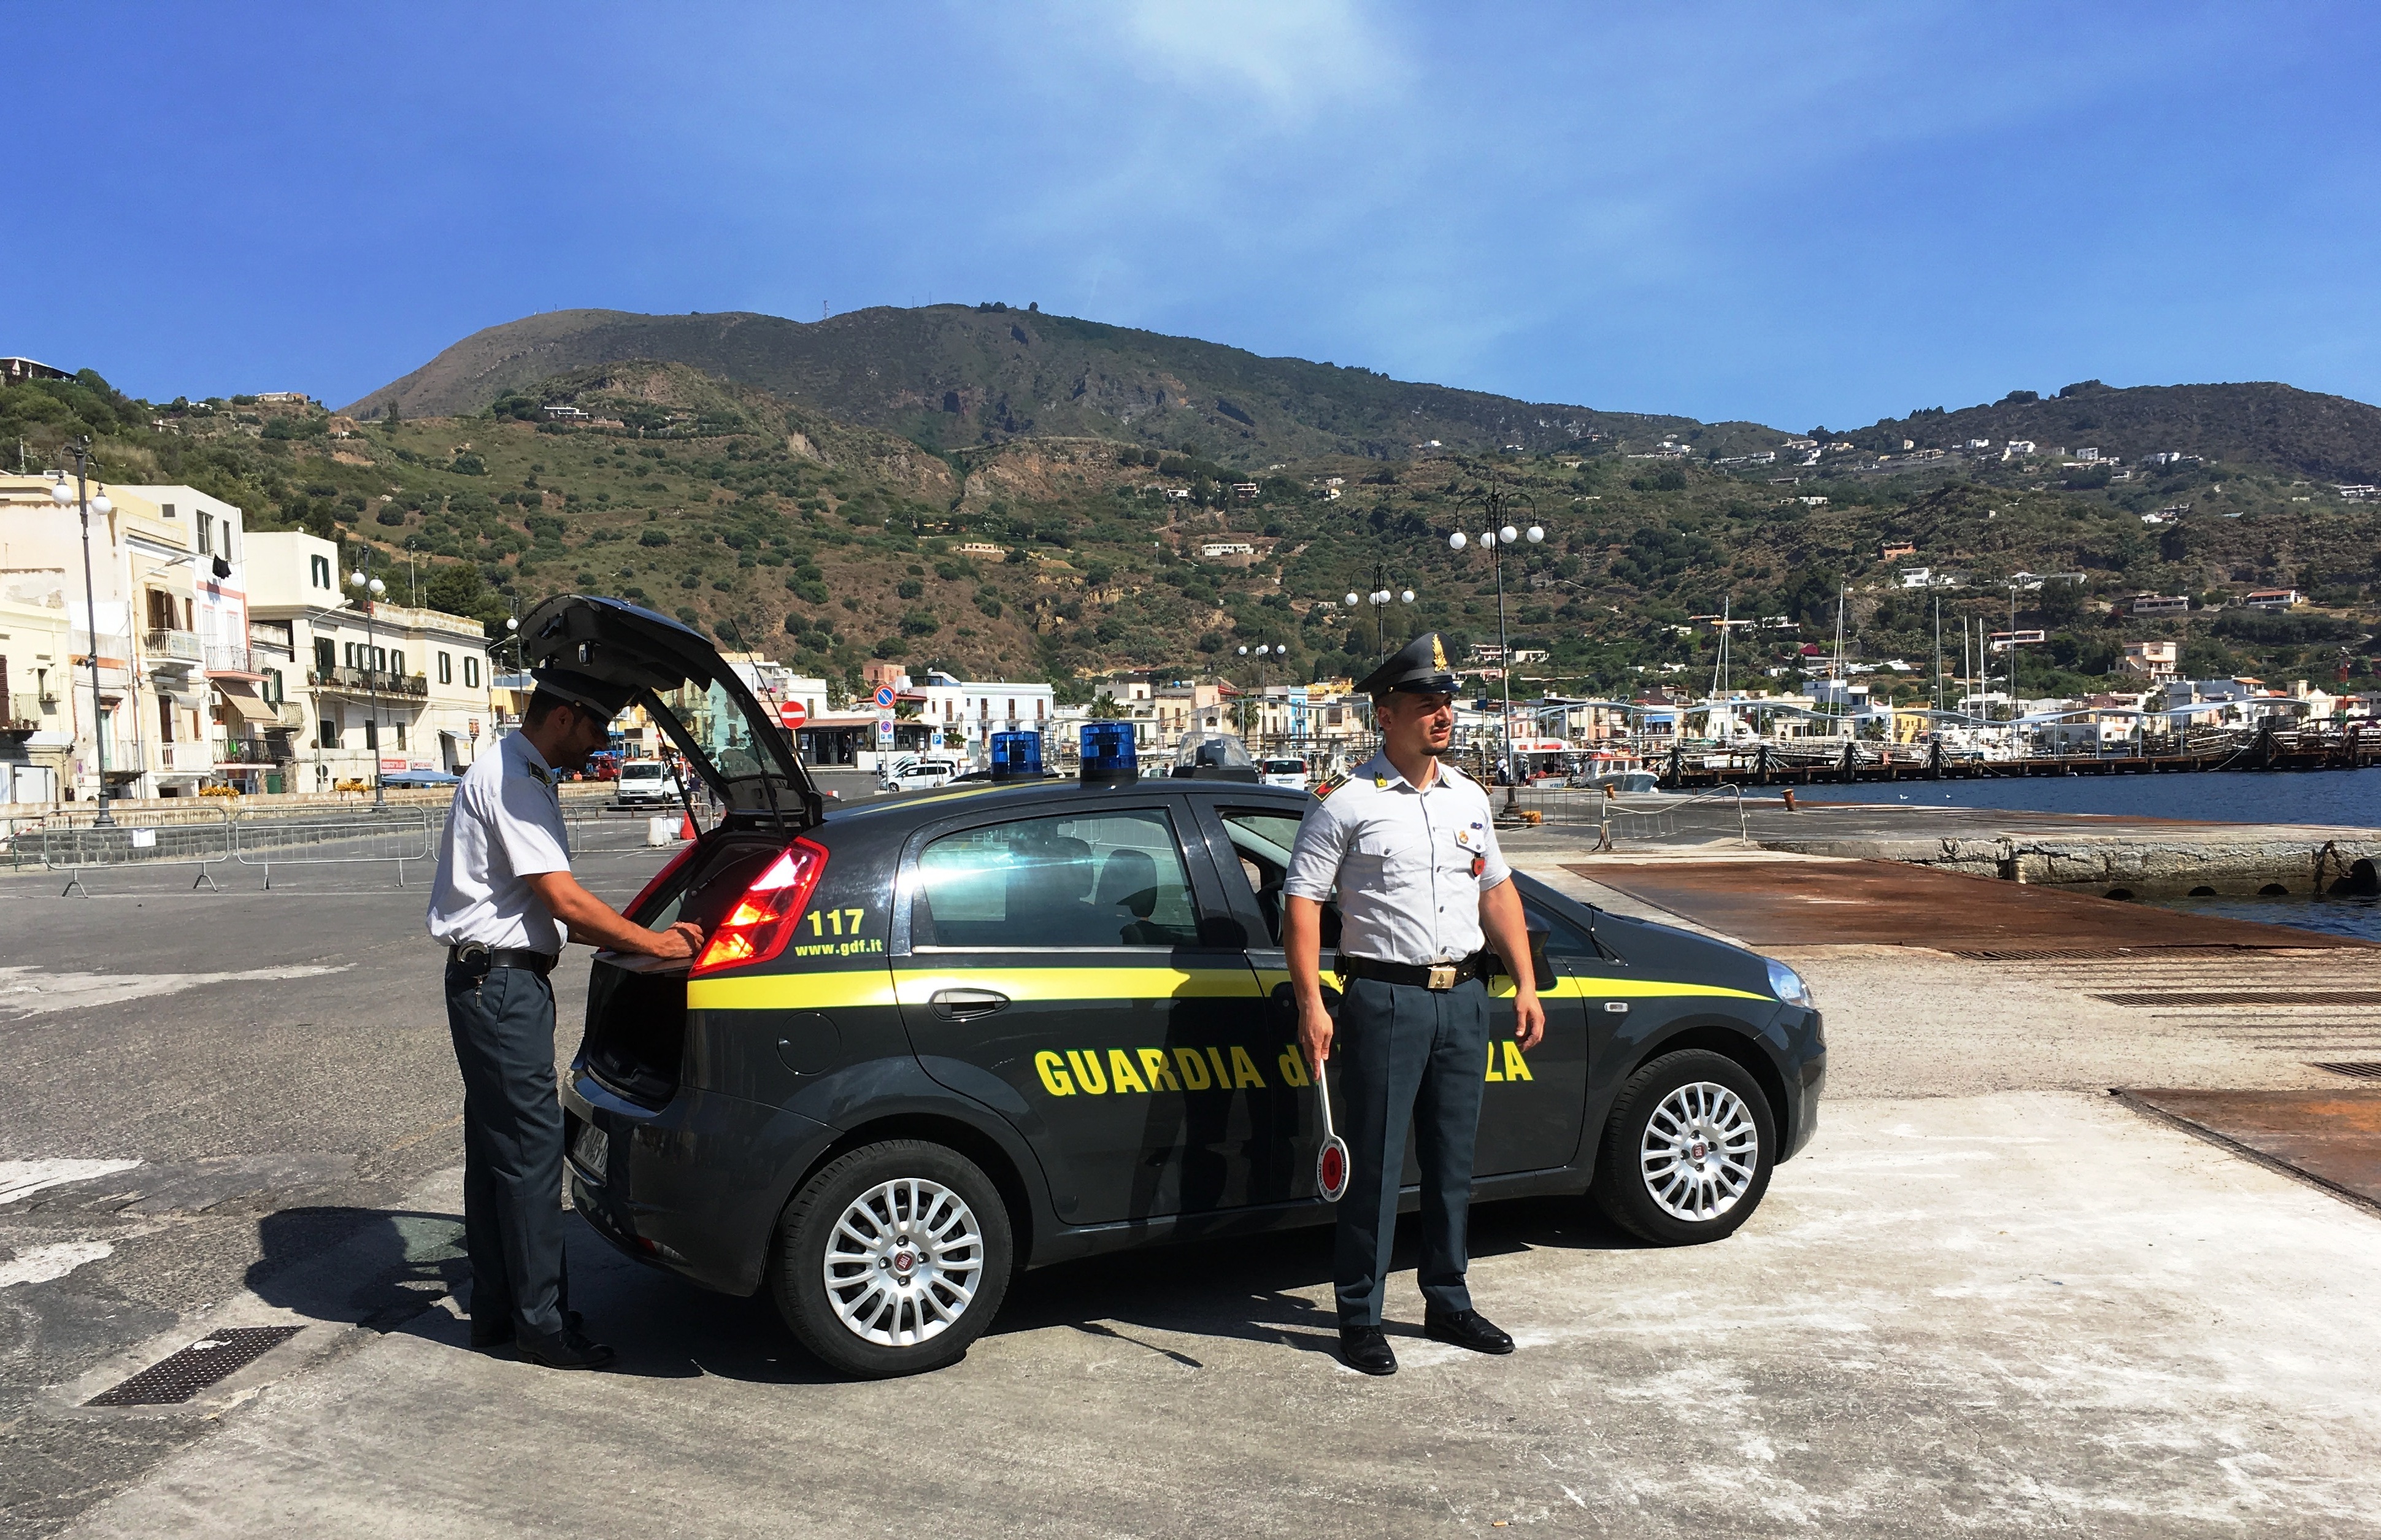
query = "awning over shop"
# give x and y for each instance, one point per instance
(240, 700)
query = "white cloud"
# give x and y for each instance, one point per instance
(1296, 57)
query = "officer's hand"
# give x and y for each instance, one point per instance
(680, 941)
(1315, 1032)
(1530, 1020)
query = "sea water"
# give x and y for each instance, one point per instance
(2351, 799)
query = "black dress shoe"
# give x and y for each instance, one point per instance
(1466, 1328)
(570, 1350)
(1364, 1350)
(499, 1334)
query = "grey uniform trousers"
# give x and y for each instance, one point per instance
(1401, 1053)
(502, 1025)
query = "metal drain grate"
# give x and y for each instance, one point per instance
(2362, 1070)
(176, 1379)
(2244, 997)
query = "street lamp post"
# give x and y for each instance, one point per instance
(368, 589)
(81, 497)
(1499, 534)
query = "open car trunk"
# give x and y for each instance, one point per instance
(758, 774)
(635, 1041)
(636, 1007)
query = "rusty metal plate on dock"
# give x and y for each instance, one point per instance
(2332, 1138)
(1823, 903)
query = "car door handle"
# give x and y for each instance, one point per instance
(959, 1005)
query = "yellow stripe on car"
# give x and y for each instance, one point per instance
(1573, 988)
(876, 986)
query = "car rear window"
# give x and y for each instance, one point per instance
(1113, 879)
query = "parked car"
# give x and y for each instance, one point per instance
(403, 780)
(933, 1040)
(918, 775)
(1291, 773)
(645, 783)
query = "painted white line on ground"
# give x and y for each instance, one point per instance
(41, 1263)
(23, 1178)
(26, 991)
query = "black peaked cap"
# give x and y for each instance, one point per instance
(584, 689)
(1420, 664)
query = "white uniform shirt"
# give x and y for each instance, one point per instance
(1410, 864)
(506, 825)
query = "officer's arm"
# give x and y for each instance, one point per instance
(590, 920)
(1509, 931)
(1302, 940)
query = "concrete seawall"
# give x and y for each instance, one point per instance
(2145, 860)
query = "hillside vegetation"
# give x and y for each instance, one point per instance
(774, 526)
(958, 375)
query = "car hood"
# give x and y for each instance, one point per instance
(616, 642)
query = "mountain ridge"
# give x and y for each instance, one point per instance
(952, 376)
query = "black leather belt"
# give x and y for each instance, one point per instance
(487, 959)
(1438, 976)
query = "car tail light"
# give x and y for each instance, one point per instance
(669, 870)
(757, 928)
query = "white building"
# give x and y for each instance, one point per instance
(409, 687)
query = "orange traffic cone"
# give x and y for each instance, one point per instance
(686, 828)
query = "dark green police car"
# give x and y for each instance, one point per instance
(940, 1037)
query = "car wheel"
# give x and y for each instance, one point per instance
(892, 1259)
(1687, 1151)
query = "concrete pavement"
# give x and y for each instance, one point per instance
(1988, 1300)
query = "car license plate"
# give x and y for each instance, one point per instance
(592, 1152)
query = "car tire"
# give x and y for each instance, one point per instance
(1687, 1154)
(892, 1259)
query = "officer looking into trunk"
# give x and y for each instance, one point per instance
(503, 902)
(1409, 844)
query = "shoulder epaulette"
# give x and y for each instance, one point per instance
(1328, 787)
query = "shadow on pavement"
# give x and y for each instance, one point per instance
(383, 1269)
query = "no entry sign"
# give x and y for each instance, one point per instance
(792, 715)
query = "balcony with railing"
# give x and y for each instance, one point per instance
(27, 708)
(250, 750)
(170, 648)
(221, 659)
(365, 681)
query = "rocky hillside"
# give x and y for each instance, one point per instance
(2274, 427)
(954, 375)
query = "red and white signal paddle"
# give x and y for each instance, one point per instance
(1331, 1161)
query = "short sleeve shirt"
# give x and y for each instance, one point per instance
(1410, 862)
(505, 826)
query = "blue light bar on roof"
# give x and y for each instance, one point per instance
(1108, 755)
(1015, 756)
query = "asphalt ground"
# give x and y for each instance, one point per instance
(1989, 1299)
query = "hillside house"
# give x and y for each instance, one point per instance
(1245, 491)
(2274, 598)
(2157, 604)
(564, 414)
(982, 549)
(2156, 659)
(1917, 576)
(1898, 548)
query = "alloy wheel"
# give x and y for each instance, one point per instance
(1700, 1152)
(904, 1263)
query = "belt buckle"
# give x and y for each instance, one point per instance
(1441, 977)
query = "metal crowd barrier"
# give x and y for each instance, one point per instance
(396, 835)
(75, 848)
(1644, 816)
(70, 844)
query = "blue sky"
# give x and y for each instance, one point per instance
(1795, 215)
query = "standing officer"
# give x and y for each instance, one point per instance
(504, 899)
(1409, 842)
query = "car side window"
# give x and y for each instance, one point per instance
(1262, 839)
(1111, 879)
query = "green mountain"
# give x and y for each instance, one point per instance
(948, 376)
(2275, 427)
(779, 526)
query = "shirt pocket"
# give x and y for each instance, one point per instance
(1378, 860)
